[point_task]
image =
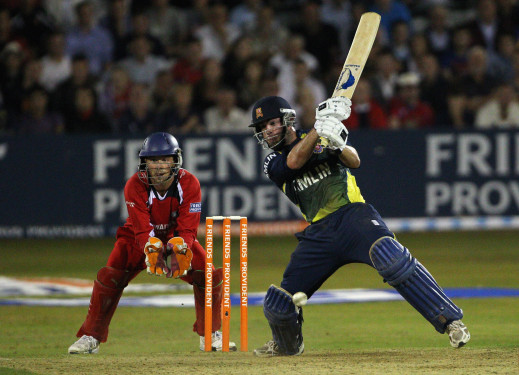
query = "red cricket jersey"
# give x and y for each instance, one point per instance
(176, 213)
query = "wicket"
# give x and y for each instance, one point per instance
(226, 297)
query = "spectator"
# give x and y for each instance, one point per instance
(501, 62)
(284, 63)
(418, 47)
(11, 77)
(303, 79)
(32, 24)
(502, 111)
(56, 65)
(366, 113)
(400, 42)
(338, 13)
(204, 94)
(235, 61)
(6, 33)
(249, 87)
(36, 118)
(63, 97)
(115, 94)
(141, 65)
(225, 116)
(85, 116)
(188, 69)
(391, 11)
(139, 117)
(161, 91)
(438, 33)
(407, 111)
(434, 88)
(168, 24)
(305, 108)
(89, 39)
(267, 35)
(31, 74)
(486, 28)
(472, 90)
(245, 13)
(180, 117)
(118, 23)
(141, 27)
(384, 81)
(218, 34)
(321, 39)
(455, 60)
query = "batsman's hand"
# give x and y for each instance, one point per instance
(338, 107)
(153, 249)
(333, 130)
(181, 257)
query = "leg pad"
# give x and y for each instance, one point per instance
(285, 320)
(412, 280)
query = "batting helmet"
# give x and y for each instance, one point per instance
(159, 144)
(268, 108)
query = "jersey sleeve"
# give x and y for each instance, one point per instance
(275, 167)
(190, 207)
(135, 195)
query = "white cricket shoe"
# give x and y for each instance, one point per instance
(271, 349)
(85, 345)
(459, 334)
(216, 343)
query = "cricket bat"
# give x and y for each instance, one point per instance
(357, 57)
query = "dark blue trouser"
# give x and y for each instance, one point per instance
(342, 237)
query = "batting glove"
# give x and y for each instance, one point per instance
(334, 131)
(153, 249)
(338, 107)
(181, 257)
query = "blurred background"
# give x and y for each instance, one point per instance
(82, 83)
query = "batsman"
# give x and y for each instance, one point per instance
(343, 227)
(164, 207)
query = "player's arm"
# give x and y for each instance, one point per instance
(350, 157)
(301, 153)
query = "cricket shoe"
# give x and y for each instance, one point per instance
(271, 349)
(85, 345)
(459, 334)
(216, 343)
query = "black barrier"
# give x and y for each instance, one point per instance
(71, 186)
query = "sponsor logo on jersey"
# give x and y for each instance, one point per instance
(259, 112)
(319, 173)
(130, 204)
(195, 207)
(318, 149)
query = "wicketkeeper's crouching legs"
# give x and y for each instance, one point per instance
(107, 291)
(199, 291)
(412, 280)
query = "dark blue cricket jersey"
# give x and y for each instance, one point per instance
(322, 186)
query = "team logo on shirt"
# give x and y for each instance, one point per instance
(318, 148)
(259, 112)
(195, 207)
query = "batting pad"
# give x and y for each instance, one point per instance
(412, 280)
(285, 320)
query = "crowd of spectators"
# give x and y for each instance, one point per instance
(132, 67)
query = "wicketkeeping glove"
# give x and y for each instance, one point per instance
(338, 107)
(333, 130)
(181, 257)
(153, 249)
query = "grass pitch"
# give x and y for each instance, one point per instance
(362, 338)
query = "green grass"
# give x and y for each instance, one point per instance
(464, 259)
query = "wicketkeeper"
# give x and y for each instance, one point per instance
(164, 207)
(343, 227)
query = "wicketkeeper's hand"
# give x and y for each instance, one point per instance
(333, 130)
(153, 250)
(181, 257)
(338, 107)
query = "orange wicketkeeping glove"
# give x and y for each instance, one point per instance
(181, 261)
(154, 250)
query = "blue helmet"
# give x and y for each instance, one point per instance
(159, 144)
(268, 108)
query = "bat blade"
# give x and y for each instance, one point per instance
(357, 55)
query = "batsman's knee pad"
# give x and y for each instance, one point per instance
(113, 278)
(412, 280)
(285, 320)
